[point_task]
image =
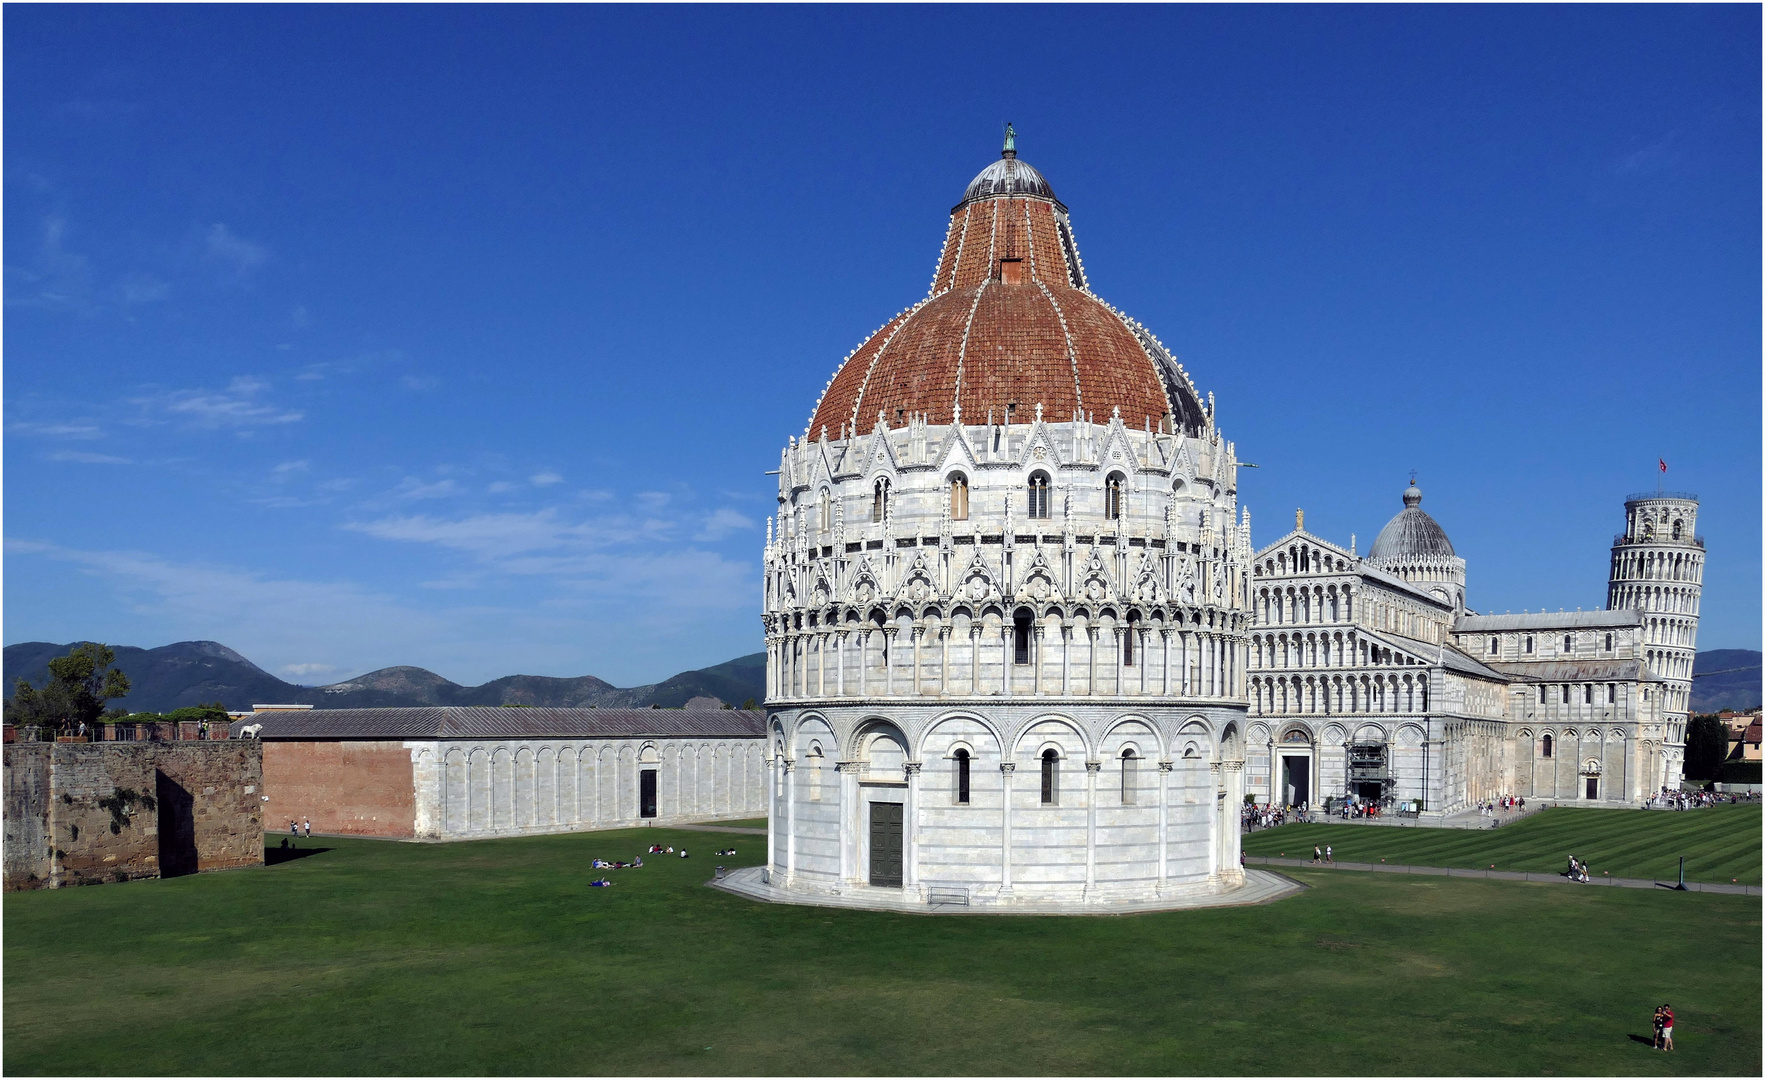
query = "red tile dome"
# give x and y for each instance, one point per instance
(1010, 324)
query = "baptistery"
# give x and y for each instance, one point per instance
(1005, 601)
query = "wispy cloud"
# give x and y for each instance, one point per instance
(54, 277)
(616, 555)
(83, 458)
(723, 521)
(242, 405)
(228, 249)
(545, 479)
(66, 429)
(412, 489)
(302, 671)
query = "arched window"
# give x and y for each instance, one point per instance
(962, 764)
(1608, 643)
(958, 497)
(1677, 527)
(879, 503)
(1529, 644)
(825, 515)
(1494, 646)
(1569, 643)
(1112, 496)
(1128, 776)
(1020, 625)
(1587, 694)
(1546, 751)
(1541, 690)
(1128, 636)
(1039, 496)
(1050, 778)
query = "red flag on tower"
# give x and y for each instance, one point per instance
(1663, 462)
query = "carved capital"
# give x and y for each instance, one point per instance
(788, 763)
(912, 768)
(1008, 766)
(848, 766)
(1093, 766)
(1166, 766)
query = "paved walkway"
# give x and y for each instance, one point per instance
(1499, 875)
(1260, 887)
(712, 826)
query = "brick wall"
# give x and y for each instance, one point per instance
(358, 788)
(83, 813)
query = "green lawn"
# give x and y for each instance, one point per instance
(1721, 843)
(496, 957)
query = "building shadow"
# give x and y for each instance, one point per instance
(276, 855)
(177, 827)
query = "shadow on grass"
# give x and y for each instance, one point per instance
(1646, 1040)
(272, 856)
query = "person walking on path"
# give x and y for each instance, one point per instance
(1317, 854)
(307, 827)
(1330, 854)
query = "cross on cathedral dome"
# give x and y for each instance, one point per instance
(1010, 324)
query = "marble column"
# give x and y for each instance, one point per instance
(889, 662)
(910, 849)
(1092, 768)
(1007, 769)
(1006, 658)
(917, 632)
(790, 821)
(1164, 821)
(839, 656)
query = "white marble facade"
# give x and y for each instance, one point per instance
(938, 628)
(472, 788)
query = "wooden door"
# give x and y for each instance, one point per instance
(885, 844)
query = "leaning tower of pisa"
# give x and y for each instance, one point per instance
(1658, 569)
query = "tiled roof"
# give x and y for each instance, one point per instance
(490, 722)
(1577, 671)
(983, 343)
(1545, 620)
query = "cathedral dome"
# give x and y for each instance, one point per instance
(1007, 176)
(1010, 324)
(1412, 534)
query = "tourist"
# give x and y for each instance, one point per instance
(293, 828)
(1659, 1024)
(1666, 1027)
(306, 825)
(683, 853)
(1330, 854)
(1317, 854)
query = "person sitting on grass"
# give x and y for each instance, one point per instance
(683, 853)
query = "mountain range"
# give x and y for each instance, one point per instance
(195, 672)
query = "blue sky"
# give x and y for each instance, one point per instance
(463, 337)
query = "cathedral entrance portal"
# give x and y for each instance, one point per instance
(1370, 791)
(1296, 780)
(886, 820)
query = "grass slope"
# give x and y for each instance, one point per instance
(496, 957)
(1720, 844)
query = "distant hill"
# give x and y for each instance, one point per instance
(1732, 680)
(192, 672)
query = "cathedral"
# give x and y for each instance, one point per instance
(1371, 681)
(1022, 653)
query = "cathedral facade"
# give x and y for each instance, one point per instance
(1006, 595)
(1371, 681)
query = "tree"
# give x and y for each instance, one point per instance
(1706, 747)
(749, 705)
(79, 685)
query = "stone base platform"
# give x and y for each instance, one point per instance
(1260, 887)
